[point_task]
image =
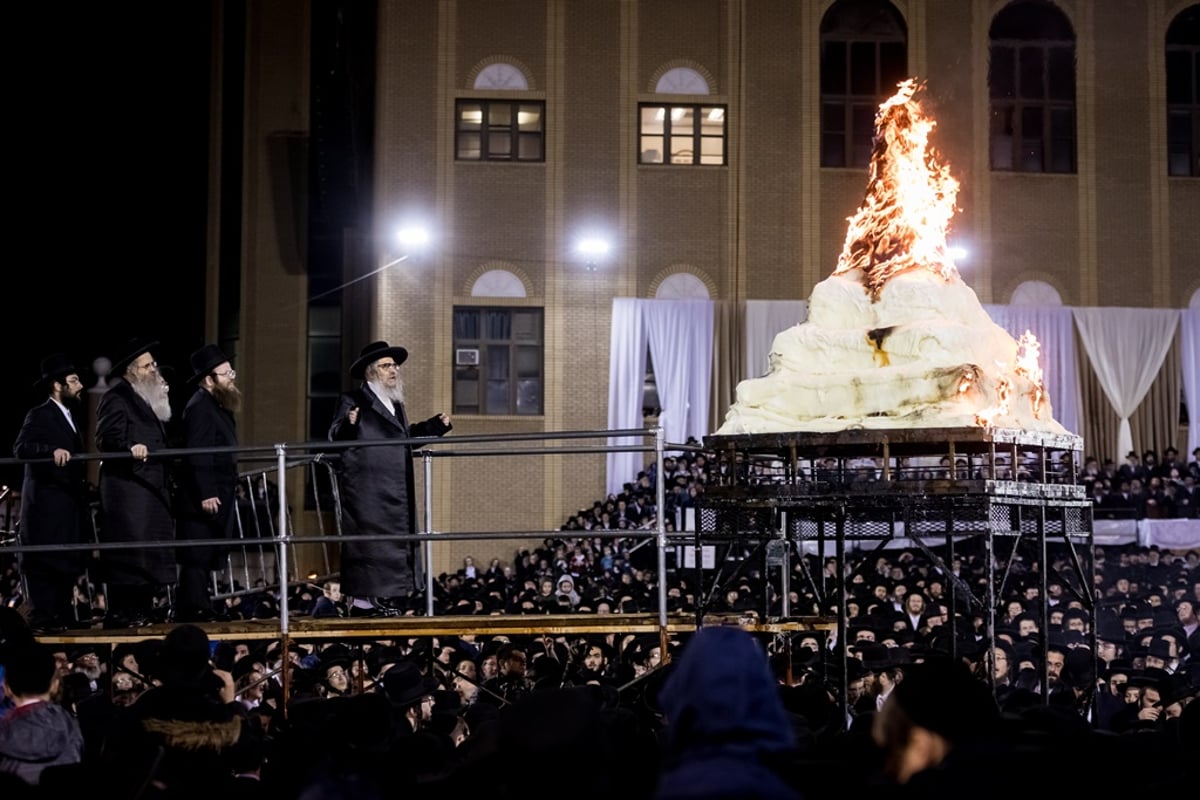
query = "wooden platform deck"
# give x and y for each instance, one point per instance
(326, 628)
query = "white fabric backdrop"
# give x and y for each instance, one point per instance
(1190, 333)
(679, 334)
(1127, 347)
(626, 381)
(1055, 331)
(764, 320)
(681, 346)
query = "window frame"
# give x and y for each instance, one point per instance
(484, 345)
(699, 113)
(485, 131)
(1188, 110)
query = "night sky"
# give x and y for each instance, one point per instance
(107, 203)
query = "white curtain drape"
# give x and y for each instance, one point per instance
(626, 382)
(1189, 322)
(1055, 331)
(764, 320)
(679, 334)
(681, 347)
(1127, 347)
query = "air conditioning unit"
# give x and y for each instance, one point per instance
(467, 357)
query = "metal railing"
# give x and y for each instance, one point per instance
(258, 512)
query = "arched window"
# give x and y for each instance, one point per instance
(1183, 93)
(500, 129)
(864, 54)
(1036, 293)
(498, 283)
(681, 133)
(1031, 81)
(682, 286)
(501, 76)
(681, 80)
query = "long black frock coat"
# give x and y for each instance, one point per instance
(135, 496)
(54, 500)
(204, 475)
(376, 485)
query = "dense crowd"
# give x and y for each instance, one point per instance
(180, 716)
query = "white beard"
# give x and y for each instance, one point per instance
(395, 394)
(154, 390)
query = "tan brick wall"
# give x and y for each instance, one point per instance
(768, 225)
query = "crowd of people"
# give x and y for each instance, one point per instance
(720, 712)
(931, 694)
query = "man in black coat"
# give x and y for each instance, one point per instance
(54, 495)
(208, 480)
(377, 482)
(135, 491)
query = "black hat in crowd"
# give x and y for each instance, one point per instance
(133, 348)
(405, 684)
(55, 368)
(205, 360)
(374, 352)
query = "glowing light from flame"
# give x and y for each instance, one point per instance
(987, 417)
(1028, 350)
(903, 220)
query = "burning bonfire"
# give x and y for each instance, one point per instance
(894, 337)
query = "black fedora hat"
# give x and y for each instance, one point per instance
(133, 348)
(405, 684)
(205, 360)
(54, 368)
(372, 353)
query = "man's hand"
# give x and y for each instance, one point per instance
(228, 693)
(211, 504)
(61, 457)
(140, 452)
(352, 416)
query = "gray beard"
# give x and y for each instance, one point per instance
(395, 395)
(154, 390)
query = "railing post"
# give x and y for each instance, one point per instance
(660, 493)
(285, 536)
(427, 463)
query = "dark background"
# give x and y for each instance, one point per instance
(107, 198)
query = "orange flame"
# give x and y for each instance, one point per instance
(902, 222)
(987, 416)
(1028, 350)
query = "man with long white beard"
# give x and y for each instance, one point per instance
(208, 480)
(135, 494)
(377, 483)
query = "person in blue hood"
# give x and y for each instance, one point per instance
(727, 733)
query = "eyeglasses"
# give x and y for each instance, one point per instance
(229, 373)
(389, 366)
(150, 365)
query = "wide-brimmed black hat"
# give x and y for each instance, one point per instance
(205, 360)
(133, 348)
(405, 684)
(372, 353)
(55, 368)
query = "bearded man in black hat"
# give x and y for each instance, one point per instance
(377, 482)
(135, 494)
(54, 496)
(208, 480)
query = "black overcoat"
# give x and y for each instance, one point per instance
(54, 500)
(376, 485)
(135, 496)
(204, 475)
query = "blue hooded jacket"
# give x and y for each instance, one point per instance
(725, 720)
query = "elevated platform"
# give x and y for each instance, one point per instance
(336, 628)
(1015, 491)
